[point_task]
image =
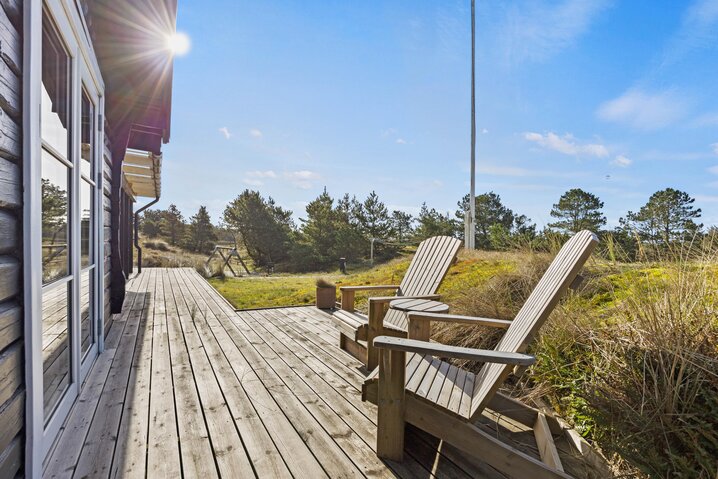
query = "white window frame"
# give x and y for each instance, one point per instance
(39, 437)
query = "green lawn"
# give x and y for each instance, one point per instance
(293, 290)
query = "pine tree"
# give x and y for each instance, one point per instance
(402, 225)
(200, 235)
(173, 224)
(432, 223)
(319, 230)
(667, 216)
(577, 210)
(264, 228)
(490, 211)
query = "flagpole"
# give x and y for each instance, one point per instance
(470, 241)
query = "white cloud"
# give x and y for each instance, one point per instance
(622, 161)
(535, 31)
(715, 148)
(643, 110)
(255, 133)
(566, 144)
(401, 141)
(225, 131)
(484, 131)
(254, 178)
(697, 30)
(303, 179)
(713, 169)
(252, 182)
(261, 174)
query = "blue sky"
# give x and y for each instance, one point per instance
(618, 98)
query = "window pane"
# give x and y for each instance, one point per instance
(55, 218)
(87, 143)
(86, 221)
(86, 314)
(55, 111)
(55, 345)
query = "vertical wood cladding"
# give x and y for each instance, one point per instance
(12, 383)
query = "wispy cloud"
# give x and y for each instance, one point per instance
(303, 179)
(261, 174)
(644, 110)
(252, 182)
(566, 144)
(401, 141)
(254, 178)
(698, 30)
(484, 131)
(622, 161)
(706, 119)
(713, 170)
(225, 131)
(255, 133)
(518, 172)
(715, 148)
(535, 31)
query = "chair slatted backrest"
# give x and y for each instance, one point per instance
(537, 308)
(428, 268)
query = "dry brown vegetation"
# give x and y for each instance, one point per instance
(631, 358)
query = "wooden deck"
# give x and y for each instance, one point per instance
(187, 387)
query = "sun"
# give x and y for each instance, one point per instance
(179, 43)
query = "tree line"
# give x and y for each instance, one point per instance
(346, 227)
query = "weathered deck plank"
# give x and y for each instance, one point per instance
(191, 388)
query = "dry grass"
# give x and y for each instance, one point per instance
(631, 359)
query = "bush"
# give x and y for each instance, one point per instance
(158, 245)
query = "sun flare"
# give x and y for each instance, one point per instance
(179, 43)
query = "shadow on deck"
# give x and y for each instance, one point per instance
(187, 387)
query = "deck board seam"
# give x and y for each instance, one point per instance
(226, 314)
(220, 323)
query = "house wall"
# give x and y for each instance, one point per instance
(12, 384)
(107, 225)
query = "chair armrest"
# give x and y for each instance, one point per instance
(455, 318)
(389, 299)
(348, 293)
(368, 287)
(442, 350)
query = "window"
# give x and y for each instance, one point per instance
(87, 222)
(57, 196)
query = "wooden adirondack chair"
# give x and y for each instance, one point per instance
(446, 401)
(426, 271)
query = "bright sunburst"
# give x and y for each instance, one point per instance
(179, 43)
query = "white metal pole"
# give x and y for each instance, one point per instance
(472, 195)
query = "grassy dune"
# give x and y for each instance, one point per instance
(630, 359)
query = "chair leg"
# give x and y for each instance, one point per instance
(390, 419)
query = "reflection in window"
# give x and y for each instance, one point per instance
(86, 140)
(55, 112)
(85, 223)
(86, 314)
(55, 218)
(55, 345)
(57, 195)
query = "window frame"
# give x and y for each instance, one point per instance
(71, 28)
